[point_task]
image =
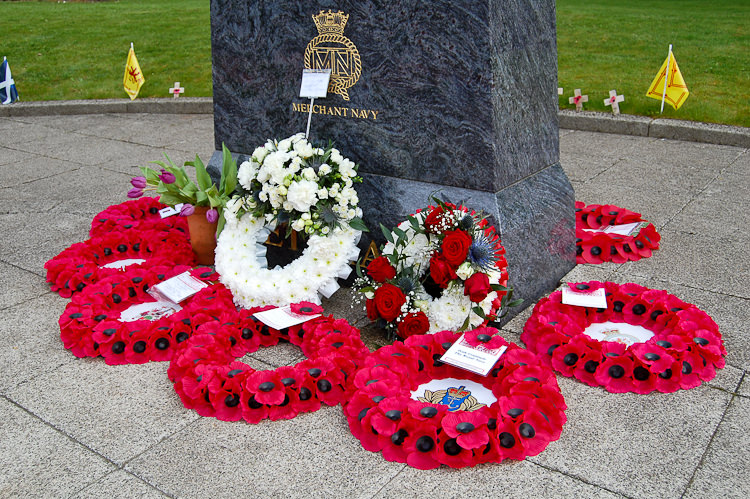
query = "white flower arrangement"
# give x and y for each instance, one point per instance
(293, 182)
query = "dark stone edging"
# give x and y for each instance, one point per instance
(623, 124)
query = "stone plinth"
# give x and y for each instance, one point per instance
(452, 96)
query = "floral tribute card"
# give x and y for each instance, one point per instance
(283, 317)
(477, 359)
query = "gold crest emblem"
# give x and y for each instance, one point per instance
(332, 50)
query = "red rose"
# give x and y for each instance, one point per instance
(372, 311)
(433, 219)
(380, 269)
(477, 287)
(441, 272)
(388, 301)
(455, 246)
(413, 324)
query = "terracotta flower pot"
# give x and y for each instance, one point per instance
(202, 236)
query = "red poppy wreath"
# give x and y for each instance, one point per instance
(138, 214)
(417, 410)
(89, 261)
(644, 340)
(607, 233)
(117, 319)
(209, 379)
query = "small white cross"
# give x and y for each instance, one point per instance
(614, 101)
(177, 90)
(578, 99)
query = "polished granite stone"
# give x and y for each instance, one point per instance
(454, 98)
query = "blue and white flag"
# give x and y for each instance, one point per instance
(8, 92)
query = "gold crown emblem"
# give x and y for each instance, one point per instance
(459, 392)
(330, 22)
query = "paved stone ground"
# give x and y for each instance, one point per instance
(77, 427)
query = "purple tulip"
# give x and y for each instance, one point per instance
(138, 182)
(187, 210)
(135, 193)
(212, 215)
(167, 177)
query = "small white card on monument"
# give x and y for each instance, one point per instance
(315, 83)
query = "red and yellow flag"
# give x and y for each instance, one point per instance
(677, 90)
(133, 78)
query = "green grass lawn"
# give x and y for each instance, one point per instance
(78, 50)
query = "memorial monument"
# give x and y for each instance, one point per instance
(454, 98)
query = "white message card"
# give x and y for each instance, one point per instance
(584, 298)
(168, 211)
(180, 287)
(315, 83)
(476, 359)
(282, 317)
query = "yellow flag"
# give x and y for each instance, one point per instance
(133, 78)
(677, 90)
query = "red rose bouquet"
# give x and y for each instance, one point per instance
(441, 269)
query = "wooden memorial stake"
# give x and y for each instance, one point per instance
(177, 90)
(578, 99)
(614, 101)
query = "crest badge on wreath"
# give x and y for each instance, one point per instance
(332, 50)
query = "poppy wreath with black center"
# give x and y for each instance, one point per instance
(209, 379)
(685, 350)
(598, 247)
(83, 264)
(527, 416)
(138, 214)
(90, 325)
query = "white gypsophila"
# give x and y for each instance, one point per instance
(303, 194)
(246, 173)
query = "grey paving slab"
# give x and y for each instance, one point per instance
(744, 389)
(19, 286)
(30, 343)
(85, 190)
(712, 263)
(16, 133)
(584, 168)
(9, 156)
(507, 479)
(729, 450)
(27, 168)
(662, 152)
(30, 239)
(312, 455)
(39, 461)
(118, 411)
(119, 484)
(600, 145)
(64, 123)
(283, 354)
(723, 208)
(635, 445)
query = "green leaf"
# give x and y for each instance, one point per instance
(201, 198)
(386, 233)
(414, 223)
(220, 225)
(358, 224)
(514, 303)
(400, 233)
(152, 178)
(367, 289)
(169, 198)
(478, 310)
(358, 268)
(228, 172)
(204, 179)
(465, 325)
(498, 287)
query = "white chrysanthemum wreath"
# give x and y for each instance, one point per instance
(310, 189)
